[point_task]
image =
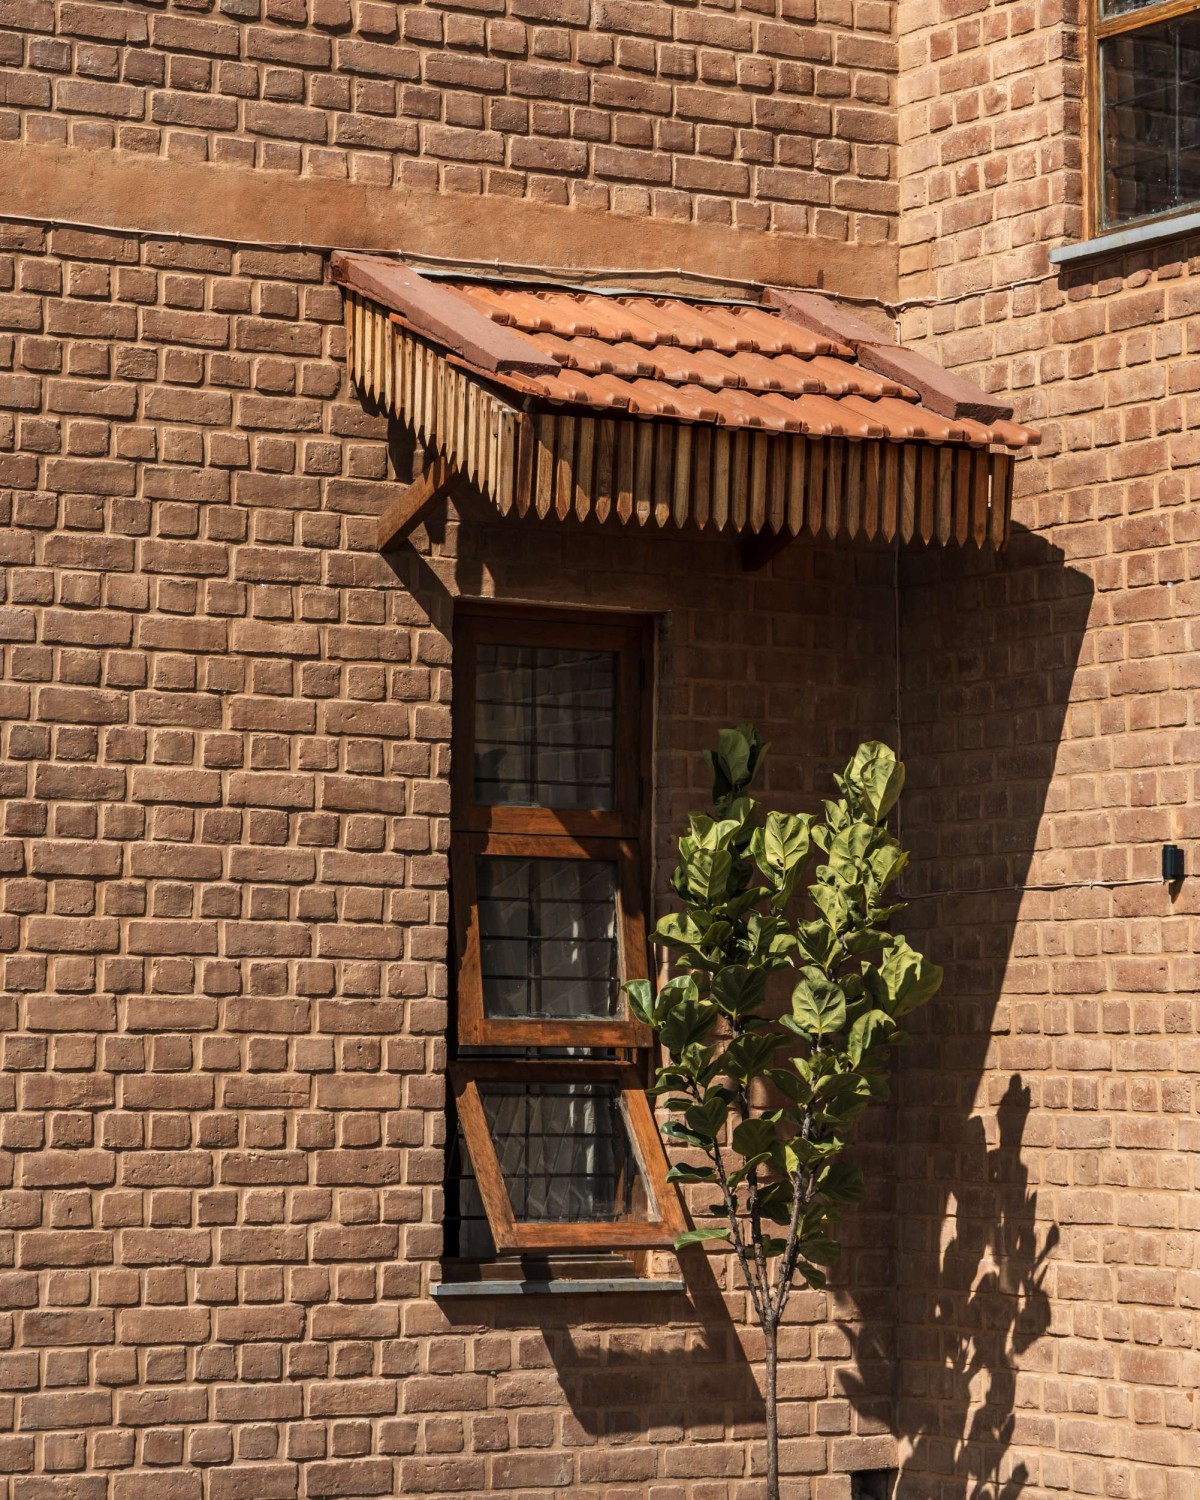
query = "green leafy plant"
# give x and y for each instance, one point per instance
(764, 1090)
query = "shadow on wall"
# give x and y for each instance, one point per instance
(987, 1307)
(990, 647)
(655, 1367)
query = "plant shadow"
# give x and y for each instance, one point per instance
(990, 648)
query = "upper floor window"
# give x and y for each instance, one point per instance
(1147, 97)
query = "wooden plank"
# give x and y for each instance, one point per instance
(980, 475)
(409, 510)
(606, 453)
(835, 487)
(506, 461)
(585, 450)
(564, 467)
(873, 467)
(908, 493)
(543, 491)
(681, 498)
(927, 493)
(643, 478)
(962, 496)
(440, 314)
(526, 460)
(889, 503)
(777, 474)
(664, 452)
(380, 329)
(739, 479)
(945, 481)
(854, 488)
(702, 467)
(722, 454)
(815, 487)
(758, 481)
(626, 442)
(348, 325)
(1002, 466)
(797, 452)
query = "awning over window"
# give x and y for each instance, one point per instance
(768, 419)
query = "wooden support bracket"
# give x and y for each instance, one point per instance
(758, 548)
(408, 510)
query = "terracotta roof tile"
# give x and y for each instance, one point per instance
(738, 365)
(796, 362)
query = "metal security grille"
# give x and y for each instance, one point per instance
(544, 726)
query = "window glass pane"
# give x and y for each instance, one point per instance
(564, 1152)
(1151, 128)
(467, 1230)
(548, 937)
(545, 726)
(1123, 7)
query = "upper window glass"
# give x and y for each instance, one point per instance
(544, 726)
(1149, 93)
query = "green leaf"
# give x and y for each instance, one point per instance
(909, 977)
(748, 1166)
(708, 874)
(756, 1136)
(681, 1172)
(817, 942)
(818, 1005)
(737, 990)
(640, 994)
(708, 1118)
(833, 906)
(865, 1031)
(748, 1055)
(699, 1236)
(874, 778)
(843, 1183)
(687, 1022)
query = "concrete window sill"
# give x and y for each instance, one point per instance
(1136, 237)
(616, 1285)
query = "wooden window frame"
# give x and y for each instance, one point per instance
(621, 833)
(475, 1029)
(1100, 28)
(511, 1234)
(629, 640)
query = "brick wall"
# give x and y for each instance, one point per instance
(1051, 715)
(764, 114)
(223, 928)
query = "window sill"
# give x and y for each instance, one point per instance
(1136, 237)
(605, 1286)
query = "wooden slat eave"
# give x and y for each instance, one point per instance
(522, 453)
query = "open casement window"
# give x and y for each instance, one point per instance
(566, 1155)
(1145, 99)
(556, 1140)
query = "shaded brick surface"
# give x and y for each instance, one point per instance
(226, 733)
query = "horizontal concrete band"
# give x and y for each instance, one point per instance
(618, 1285)
(119, 191)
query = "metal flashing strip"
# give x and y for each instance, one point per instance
(1137, 237)
(616, 1285)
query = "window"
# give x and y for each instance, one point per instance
(556, 1148)
(1146, 96)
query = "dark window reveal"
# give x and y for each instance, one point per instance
(555, 1148)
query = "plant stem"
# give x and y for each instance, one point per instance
(771, 1338)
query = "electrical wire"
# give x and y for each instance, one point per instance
(440, 266)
